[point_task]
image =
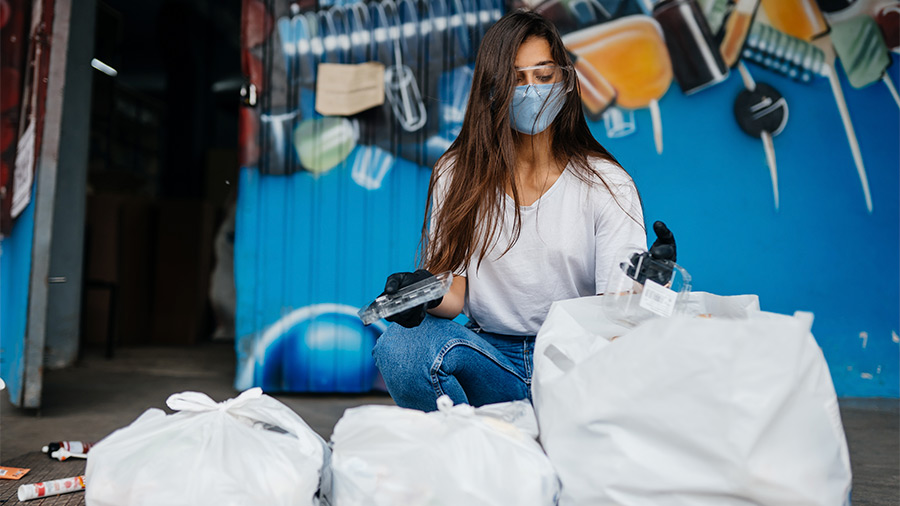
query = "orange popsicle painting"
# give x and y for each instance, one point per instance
(631, 54)
(798, 18)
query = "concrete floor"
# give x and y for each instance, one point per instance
(98, 396)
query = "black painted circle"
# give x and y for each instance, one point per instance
(762, 109)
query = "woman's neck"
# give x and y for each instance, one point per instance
(533, 155)
(536, 168)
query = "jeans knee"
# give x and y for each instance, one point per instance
(419, 344)
(386, 345)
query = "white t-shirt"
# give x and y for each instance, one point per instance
(568, 243)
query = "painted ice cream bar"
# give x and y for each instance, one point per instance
(630, 54)
(798, 18)
(861, 48)
(737, 27)
(597, 94)
(803, 61)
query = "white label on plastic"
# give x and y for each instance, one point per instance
(658, 299)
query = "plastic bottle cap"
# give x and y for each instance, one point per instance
(45, 449)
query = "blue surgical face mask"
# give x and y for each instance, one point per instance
(535, 106)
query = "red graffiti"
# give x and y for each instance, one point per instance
(256, 23)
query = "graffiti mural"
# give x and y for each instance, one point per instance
(774, 121)
(340, 181)
(631, 60)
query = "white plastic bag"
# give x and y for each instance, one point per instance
(689, 411)
(244, 451)
(458, 455)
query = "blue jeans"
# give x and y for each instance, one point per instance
(441, 357)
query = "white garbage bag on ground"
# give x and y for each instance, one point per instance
(717, 411)
(248, 450)
(458, 455)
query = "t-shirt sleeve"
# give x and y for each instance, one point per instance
(619, 225)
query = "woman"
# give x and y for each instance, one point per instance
(527, 208)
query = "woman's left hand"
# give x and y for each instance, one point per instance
(664, 246)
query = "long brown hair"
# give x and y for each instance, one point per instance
(483, 156)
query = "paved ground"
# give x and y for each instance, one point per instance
(98, 396)
(90, 400)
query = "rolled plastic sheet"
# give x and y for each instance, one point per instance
(48, 488)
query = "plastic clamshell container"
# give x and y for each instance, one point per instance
(407, 297)
(667, 286)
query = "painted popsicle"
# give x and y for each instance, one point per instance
(737, 27)
(863, 52)
(597, 94)
(838, 93)
(801, 61)
(798, 18)
(631, 55)
(761, 111)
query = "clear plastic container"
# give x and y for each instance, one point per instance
(641, 287)
(407, 297)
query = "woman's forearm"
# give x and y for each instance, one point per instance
(452, 305)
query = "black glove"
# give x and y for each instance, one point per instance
(414, 315)
(664, 246)
(663, 249)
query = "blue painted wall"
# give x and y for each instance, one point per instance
(15, 274)
(821, 251)
(313, 246)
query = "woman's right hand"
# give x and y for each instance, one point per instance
(415, 315)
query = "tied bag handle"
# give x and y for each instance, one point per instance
(253, 405)
(198, 402)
